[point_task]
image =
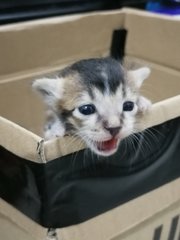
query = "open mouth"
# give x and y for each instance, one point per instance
(107, 146)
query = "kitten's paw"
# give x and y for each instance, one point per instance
(54, 130)
(144, 105)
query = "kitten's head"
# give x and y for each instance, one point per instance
(95, 99)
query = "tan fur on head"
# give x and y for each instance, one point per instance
(72, 89)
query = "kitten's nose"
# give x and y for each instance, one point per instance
(113, 130)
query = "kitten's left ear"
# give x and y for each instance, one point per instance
(50, 89)
(136, 77)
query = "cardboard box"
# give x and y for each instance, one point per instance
(35, 48)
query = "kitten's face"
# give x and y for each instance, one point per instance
(104, 119)
(96, 100)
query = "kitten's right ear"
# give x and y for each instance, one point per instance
(136, 77)
(51, 89)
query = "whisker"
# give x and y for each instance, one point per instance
(80, 145)
(141, 143)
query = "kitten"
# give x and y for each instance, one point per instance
(96, 99)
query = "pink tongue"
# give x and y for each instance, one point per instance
(107, 145)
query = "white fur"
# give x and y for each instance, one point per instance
(138, 76)
(56, 130)
(144, 104)
(51, 89)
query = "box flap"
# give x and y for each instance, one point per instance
(163, 82)
(54, 41)
(14, 224)
(153, 37)
(20, 141)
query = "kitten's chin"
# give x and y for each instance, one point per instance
(105, 148)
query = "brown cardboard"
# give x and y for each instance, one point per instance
(20, 141)
(18, 96)
(38, 47)
(162, 83)
(154, 38)
(41, 44)
(135, 220)
(16, 226)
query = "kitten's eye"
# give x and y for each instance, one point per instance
(87, 109)
(128, 106)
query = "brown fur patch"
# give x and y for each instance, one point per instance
(75, 121)
(72, 90)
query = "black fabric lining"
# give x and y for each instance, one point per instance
(118, 44)
(76, 187)
(19, 185)
(135, 157)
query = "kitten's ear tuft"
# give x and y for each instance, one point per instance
(136, 77)
(51, 89)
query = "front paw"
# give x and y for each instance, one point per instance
(54, 130)
(144, 105)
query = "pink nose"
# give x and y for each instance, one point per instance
(113, 130)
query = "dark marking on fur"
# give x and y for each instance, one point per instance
(76, 122)
(66, 113)
(122, 119)
(64, 116)
(100, 73)
(123, 90)
(69, 127)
